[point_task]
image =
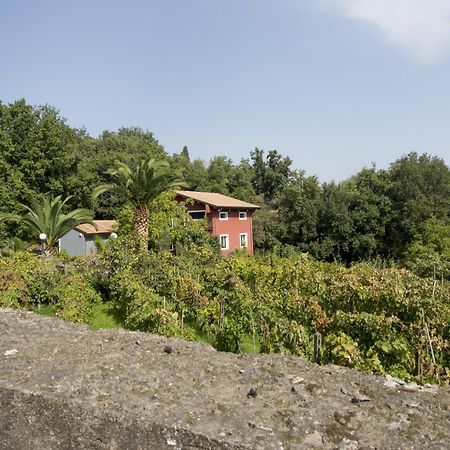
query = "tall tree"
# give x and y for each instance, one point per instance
(139, 184)
(299, 205)
(429, 253)
(219, 172)
(37, 153)
(419, 188)
(270, 174)
(240, 182)
(370, 210)
(97, 155)
(334, 224)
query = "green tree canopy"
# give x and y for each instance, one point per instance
(419, 188)
(429, 254)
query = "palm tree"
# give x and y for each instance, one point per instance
(140, 184)
(48, 218)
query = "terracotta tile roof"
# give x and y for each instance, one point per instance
(103, 226)
(218, 200)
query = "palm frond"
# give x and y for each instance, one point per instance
(140, 183)
(48, 217)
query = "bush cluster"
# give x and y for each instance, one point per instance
(379, 320)
(372, 319)
(32, 282)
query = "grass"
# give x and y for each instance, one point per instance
(250, 344)
(45, 310)
(103, 316)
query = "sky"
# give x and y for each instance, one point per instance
(335, 84)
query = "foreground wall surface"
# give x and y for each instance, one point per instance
(63, 386)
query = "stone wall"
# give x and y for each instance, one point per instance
(64, 386)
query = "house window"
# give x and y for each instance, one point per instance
(224, 244)
(223, 215)
(243, 240)
(197, 215)
(242, 215)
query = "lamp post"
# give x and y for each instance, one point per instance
(43, 238)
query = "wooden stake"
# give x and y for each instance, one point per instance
(317, 347)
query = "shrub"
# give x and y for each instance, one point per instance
(27, 280)
(74, 299)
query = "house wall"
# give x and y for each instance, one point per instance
(73, 243)
(201, 207)
(90, 243)
(233, 227)
(76, 243)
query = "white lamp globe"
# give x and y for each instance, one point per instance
(42, 236)
(113, 235)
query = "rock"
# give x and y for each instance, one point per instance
(413, 386)
(168, 349)
(411, 404)
(10, 352)
(347, 444)
(393, 382)
(297, 380)
(360, 399)
(252, 393)
(314, 440)
(73, 387)
(394, 425)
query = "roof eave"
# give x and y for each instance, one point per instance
(215, 205)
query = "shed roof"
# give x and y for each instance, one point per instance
(218, 200)
(103, 226)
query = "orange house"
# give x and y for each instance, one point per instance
(228, 218)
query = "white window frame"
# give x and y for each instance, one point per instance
(227, 238)
(244, 214)
(246, 240)
(226, 215)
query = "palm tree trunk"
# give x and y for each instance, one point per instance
(140, 223)
(51, 251)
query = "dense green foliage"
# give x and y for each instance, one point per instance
(28, 281)
(376, 214)
(139, 184)
(378, 320)
(48, 218)
(429, 253)
(329, 256)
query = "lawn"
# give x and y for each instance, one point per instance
(103, 316)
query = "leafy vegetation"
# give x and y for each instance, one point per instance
(378, 320)
(375, 215)
(330, 257)
(139, 185)
(48, 218)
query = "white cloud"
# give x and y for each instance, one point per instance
(420, 26)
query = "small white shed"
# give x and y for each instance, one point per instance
(81, 240)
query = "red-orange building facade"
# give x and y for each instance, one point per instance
(228, 218)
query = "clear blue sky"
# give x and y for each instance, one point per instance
(334, 84)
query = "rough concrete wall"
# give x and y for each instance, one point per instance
(63, 386)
